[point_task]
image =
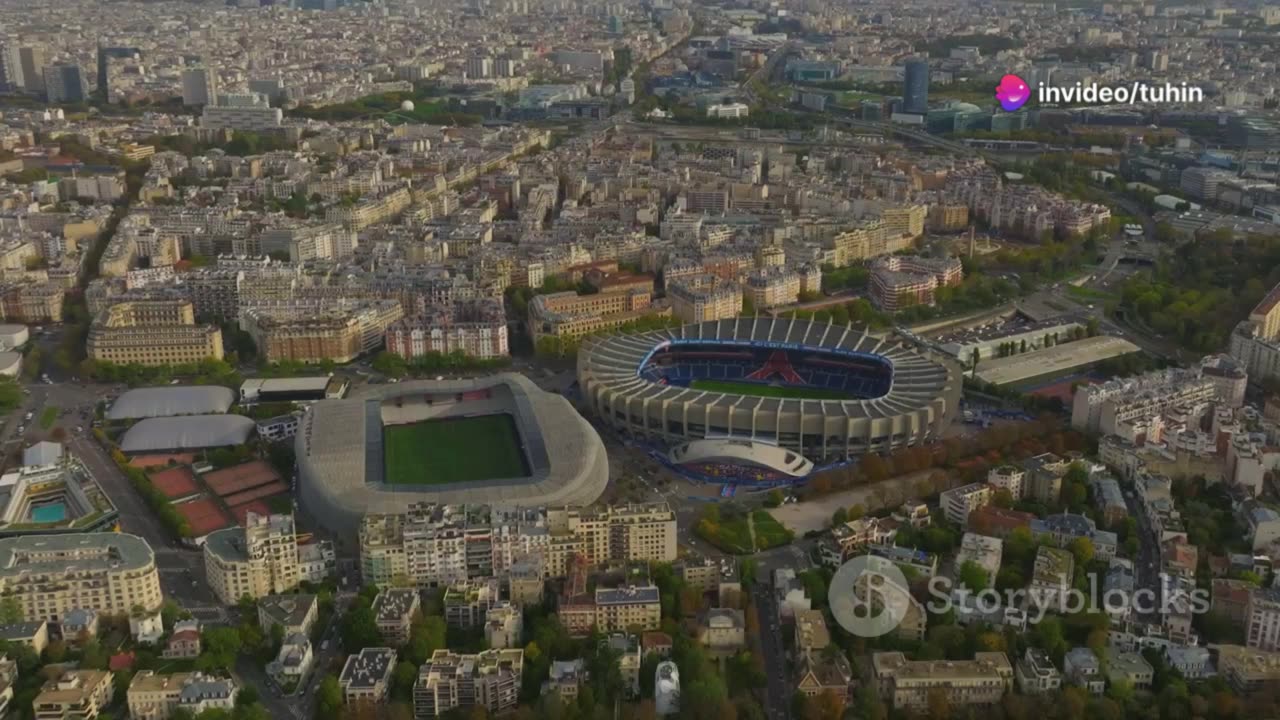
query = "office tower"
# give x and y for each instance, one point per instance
(64, 83)
(21, 68)
(479, 67)
(105, 56)
(32, 60)
(273, 88)
(11, 79)
(915, 92)
(199, 86)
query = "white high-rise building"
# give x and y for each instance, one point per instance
(246, 112)
(199, 86)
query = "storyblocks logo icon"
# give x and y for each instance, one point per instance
(1012, 92)
(869, 596)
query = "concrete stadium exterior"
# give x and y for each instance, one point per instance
(923, 396)
(340, 452)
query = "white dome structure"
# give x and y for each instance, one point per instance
(666, 691)
(407, 106)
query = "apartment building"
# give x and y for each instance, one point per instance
(370, 211)
(908, 684)
(983, 551)
(703, 298)
(1008, 477)
(503, 625)
(257, 560)
(466, 604)
(476, 328)
(448, 681)
(32, 302)
(1062, 528)
(1248, 670)
(568, 314)
(152, 332)
(433, 545)
(393, 611)
(772, 287)
(50, 575)
(295, 613)
(622, 609)
(640, 532)
(1262, 620)
(1104, 407)
(957, 503)
(74, 695)
(152, 696)
(905, 220)
(366, 676)
(1036, 673)
(1051, 577)
(900, 281)
(314, 331)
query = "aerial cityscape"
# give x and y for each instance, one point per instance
(603, 360)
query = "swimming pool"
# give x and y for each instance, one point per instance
(53, 512)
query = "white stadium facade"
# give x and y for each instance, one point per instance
(891, 391)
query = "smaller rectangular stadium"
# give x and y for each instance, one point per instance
(458, 449)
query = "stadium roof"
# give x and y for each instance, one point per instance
(339, 447)
(171, 400)
(182, 433)
(614, 362)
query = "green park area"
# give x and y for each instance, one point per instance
(773, 391)
(452, 450)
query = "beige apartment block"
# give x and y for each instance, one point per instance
(49, 575)
(257, 560)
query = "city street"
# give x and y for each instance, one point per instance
(777, 692)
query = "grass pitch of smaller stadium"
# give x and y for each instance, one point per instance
(453, 450)
(776, 391)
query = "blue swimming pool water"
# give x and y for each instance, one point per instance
(54, 512)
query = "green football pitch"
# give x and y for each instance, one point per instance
(778, 391)
(451, 450)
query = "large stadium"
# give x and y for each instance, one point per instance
(497, 440)
(824, 391)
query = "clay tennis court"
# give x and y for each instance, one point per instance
(204, 515)
(238, 478)
(175, 482)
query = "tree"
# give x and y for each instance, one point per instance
(360, 629)
(402, 680)
(774, 499)
(93, 656)
(839, 517)
(220, 647)
(11, 611)
(328, 698)
(1082, 549)
(426, 635)
(973, 576)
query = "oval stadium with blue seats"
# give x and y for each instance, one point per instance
(826, 391)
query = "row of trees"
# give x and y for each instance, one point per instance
(967, 458)
(393, 365)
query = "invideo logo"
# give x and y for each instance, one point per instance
(1012, 92)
